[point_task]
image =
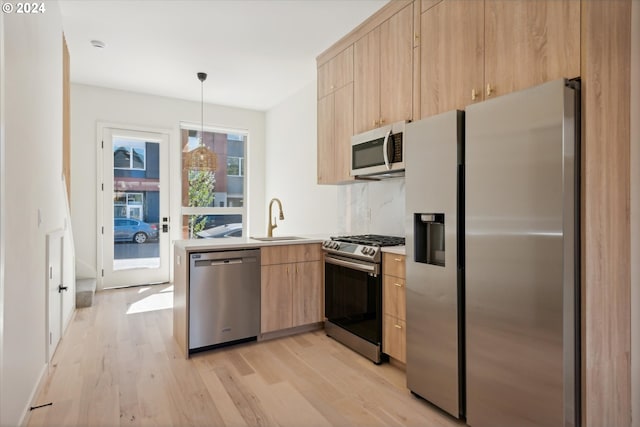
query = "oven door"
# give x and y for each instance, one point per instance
(353, 296)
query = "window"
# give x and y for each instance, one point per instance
(129, 154)
(213, 201)
(234, 166)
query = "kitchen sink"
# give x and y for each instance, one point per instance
(277, 238)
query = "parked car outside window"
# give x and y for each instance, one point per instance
(226, 230)
(133, 230)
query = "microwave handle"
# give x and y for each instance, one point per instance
(385, 150)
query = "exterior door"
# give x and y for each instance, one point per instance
(133, 223)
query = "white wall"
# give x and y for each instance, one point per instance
(291, 169)
(90, 105)
(635, 214)
(33, 167)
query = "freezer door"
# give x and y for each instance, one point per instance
(520, 261)
(433, 278)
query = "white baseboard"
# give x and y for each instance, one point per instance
(26, 413)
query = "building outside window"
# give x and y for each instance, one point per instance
(213, 202)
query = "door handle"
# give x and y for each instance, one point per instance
(62, 288)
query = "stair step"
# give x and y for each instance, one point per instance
(85, 290)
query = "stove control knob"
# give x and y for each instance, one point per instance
(336, 246)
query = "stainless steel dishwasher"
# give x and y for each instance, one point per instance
(224, 297)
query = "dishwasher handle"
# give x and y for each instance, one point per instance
(227, 261)
(223, 262)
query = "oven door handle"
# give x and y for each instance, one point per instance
(367, 268)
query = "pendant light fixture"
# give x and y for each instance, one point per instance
(201, 159)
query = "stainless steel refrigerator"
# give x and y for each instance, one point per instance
(493, 259)
(434, 245)
(522, 258)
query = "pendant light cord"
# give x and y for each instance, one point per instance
(202, 77)
(202, 112)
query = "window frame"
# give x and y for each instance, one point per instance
(216, 210)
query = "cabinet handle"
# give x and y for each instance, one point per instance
(397, 259)
(297, 271)
(474, 94)
(381, 121)
(398, 285)
(416, 36)
(375, 123)
(490, 90)
(398, 326)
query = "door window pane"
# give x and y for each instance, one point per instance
(136, 204)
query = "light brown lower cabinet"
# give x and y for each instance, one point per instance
(292, 292)
(394, 341)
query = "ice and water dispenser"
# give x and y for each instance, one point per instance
(428, 231)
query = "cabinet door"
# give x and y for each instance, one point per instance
(394, 341)
(394, 264)
(396, 67)
(335, 73)
(393, 297)
(452, 56)
(307, 293)
(343, 130)
(275, 307)
(530, 42)
(366, 80)
(326, 150)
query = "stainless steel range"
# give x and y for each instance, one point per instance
(353, 291)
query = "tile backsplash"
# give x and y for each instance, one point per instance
(375, 207)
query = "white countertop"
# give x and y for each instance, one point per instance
(226, 243)
(398, 250)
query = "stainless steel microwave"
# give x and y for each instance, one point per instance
(378, 151)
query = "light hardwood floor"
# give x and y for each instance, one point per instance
(119, 369)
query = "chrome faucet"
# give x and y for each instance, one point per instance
(281, 216)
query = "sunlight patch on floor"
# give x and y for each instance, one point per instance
(159, 301)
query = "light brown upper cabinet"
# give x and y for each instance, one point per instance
(477, 49)
(451, 56)
(427, 4)
(335, 118)
(383, 73)
(335, 73)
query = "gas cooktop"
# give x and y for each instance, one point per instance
(364, 246)
(371, 240)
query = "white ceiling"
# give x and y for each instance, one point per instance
(256, 52)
